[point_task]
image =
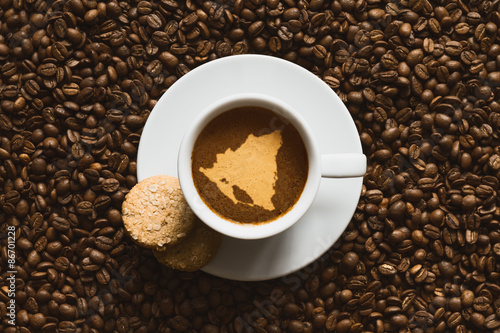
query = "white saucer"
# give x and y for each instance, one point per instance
(335, 203)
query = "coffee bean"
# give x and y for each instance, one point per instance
(33, 258)
(295, 326)
(491, 322)
(387, 269)
(494, 77)
(61, 264)
(344, 325)
(349, 261)
(71, 89)
(97, 256)
(291, 310)
(168, 59)
(38, 320)
(61, 224)
(494, 162)
(454, 320)
(399, 320)
(47, 69)
(66, 326)
(477, 319)
(104, 243)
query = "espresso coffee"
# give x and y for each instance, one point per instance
(249, 165)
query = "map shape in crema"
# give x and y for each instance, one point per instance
(251, 167)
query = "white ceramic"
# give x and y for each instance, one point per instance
(336, 165)
(335, 132)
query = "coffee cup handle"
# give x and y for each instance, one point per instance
(343, 165)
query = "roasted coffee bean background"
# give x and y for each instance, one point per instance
(421, 79)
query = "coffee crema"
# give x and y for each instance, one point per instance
(249, 165)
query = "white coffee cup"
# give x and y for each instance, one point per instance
(320, 165)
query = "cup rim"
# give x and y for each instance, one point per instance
(248, 230)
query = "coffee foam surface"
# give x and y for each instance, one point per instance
(251, 167)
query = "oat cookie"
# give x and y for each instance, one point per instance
(156, 214)
(193, 252)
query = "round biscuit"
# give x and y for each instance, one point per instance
(193, 252)
(156, 214)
